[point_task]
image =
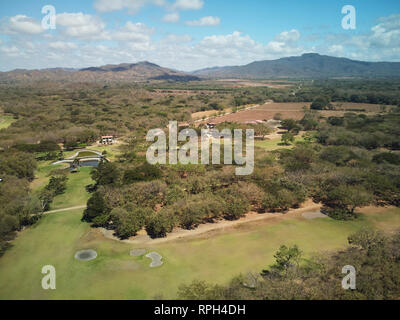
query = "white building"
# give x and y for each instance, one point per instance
(107, 140)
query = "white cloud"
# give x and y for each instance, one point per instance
(63, 45)
(136, 32)
(134, 41)
(288, 36)
(188, 4)
(82, 26)
(171, 17)
(336, 49)
(174, 39)
(133, 6)
(382, 42)
(284, 44)
(11, 51)
(23, 24)
(205, 21)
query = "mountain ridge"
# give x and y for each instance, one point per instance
(308, 65)
(140, 71)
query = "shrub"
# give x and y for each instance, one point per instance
(159, 224)
(145, 172)
(320, 103)
(235, 208)
(129, 222)
(96, 206)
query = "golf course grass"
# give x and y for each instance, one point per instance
(114, 274)
(6, 121)
(275, 144)
(74, 195)
(215, 257)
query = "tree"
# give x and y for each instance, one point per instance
(158, 225)
(199, 290)
(340, 202)
(129, 222)
(285, 258)
(57, 184)
(145, 172)
(96, 206)
(236, 207)
(106, 173)
(291, 125)
(280, 200)
(320, 103)
(287, 138)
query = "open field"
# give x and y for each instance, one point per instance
(116, 275)
(274, 144)
(293, 110)
(240, 83)
(75, 194)
(6, 121)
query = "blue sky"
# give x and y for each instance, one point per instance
(193, 34)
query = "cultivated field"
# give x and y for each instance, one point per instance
(292, 110)
(240, 83)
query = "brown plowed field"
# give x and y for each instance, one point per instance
(291, 110)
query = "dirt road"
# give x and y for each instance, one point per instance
(143, 239)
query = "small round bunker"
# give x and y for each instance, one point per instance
(86, 255)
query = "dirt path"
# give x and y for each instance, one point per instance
(200, 121)
(143, 239)
(66, 209)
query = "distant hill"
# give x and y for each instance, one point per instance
(141, 71)
(309, 65)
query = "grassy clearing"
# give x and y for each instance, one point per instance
(116, 275)
(42, 174)
(274, 144)
(74, 195)
(6, 121)
(112, 151)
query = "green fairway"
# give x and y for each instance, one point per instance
(74, 195)
(116, 275)
(6, 121)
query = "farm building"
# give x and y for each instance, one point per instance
(107, 140)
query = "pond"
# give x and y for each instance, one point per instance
(87, 153)
(83, 158)
(89, 163)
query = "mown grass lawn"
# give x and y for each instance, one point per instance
(75, 194)
(116, 275)
(6, 121)
(275, 144)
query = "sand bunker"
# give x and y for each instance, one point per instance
(313, 215)
(156, 259)
(137, 252)
(86, 255)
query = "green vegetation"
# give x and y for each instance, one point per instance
(6, 121)
(345, 162)
(116, 275)
(374, 256)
